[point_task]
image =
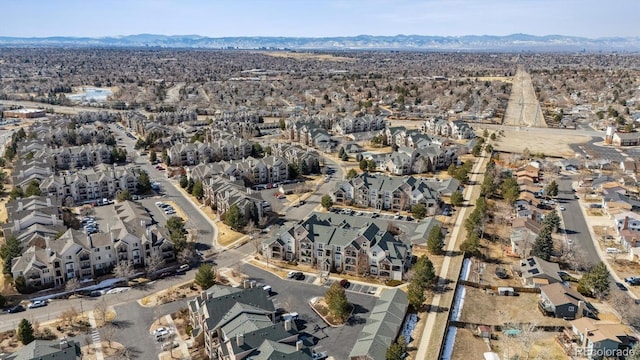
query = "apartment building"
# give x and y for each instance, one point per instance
(339, 243)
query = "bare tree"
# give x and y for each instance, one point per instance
(123, 270)
(153, 264)
(251, 229)
(186, 255)
(109, 334)
(101, 309)
(72, 285)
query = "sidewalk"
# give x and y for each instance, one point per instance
(95, 336)
(458, 230)
(183, 348)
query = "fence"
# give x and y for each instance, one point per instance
(518, 289)
(498, 328)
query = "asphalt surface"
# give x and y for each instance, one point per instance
(196, 220)
(294, 295)
(576, 227)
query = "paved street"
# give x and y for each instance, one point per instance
(206, 235)
(575, 225)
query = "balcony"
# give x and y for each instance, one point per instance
(85, 265)
(84, 258)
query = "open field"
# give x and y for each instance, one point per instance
(538, 141)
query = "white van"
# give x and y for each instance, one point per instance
(612, 250)
(290, 316)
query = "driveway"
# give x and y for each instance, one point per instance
(293, 296)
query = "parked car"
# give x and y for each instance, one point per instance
(161, 331)
(16, 309)
(319, 355)
(37, 304)
(632, 280)
(344, 283)
(621, 286)
(183, 268)
(295, 275)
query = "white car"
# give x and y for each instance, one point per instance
(562, 208)
(159, 203)
(37, 304)
(161, 331)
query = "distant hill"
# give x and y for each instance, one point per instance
(514, 42)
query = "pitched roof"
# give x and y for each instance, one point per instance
(600, 330)
(534, 267)
(47, 350)
(558, 294)
(382, 326)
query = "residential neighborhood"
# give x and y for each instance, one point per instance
(266, 202)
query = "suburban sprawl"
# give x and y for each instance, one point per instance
(273, 204)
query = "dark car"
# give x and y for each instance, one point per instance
(344, 283)
(16, 309)
(296, 275)
(621, 286)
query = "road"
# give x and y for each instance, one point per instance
(207, 233)
(576, 226)
(523, 108)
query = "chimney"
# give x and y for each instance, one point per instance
(299, 345)
(252, 283)
(287, 325)
(240, 339)
(16, 225)
(64, 343)
(625, 224)
(48, 201)
(580, 312)
(20, 206)
(47, 242)
(585, 336)
(245, 284)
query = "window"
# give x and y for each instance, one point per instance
(69, 257)
(97, 257)
(374, 253)
(319, 246)
(108, 248)
(571, 308)
(338, 249)
(96, 250)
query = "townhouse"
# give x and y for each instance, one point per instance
(76, 255)
(233, 148)
(241, 323)
(309, 134)
(368, 122)
(221, 193)
(33, 219)
(103, 181)
(294, 154)
(338, 243)
(81, 156)
(456, 129)
(384, 192)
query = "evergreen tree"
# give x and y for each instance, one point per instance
(552, 189)
(552, 220)
(419, 211)
(234, 218)
(184, 181)
(434, 242)
(205, 277)
(415, 295)
(326, 201)
(198, 190)
(144, 183)
(456, 198)
(543, 247)
(25, 332)
(336, 300)
(9, 250)
(351, 174)
(124, 195)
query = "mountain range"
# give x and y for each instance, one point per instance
(514, 42)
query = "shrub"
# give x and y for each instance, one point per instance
(393, 282)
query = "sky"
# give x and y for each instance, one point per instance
(319, 18)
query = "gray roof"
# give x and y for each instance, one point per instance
(534, 267)
(47, 350)
(382, 326)
(269, 350)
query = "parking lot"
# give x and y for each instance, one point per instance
(355, 287)
(294, 295)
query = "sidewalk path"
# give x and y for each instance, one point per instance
(95, 336)
(182, 344)
(454, 242)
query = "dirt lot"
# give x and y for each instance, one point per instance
(515, 140)
(483, 308)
